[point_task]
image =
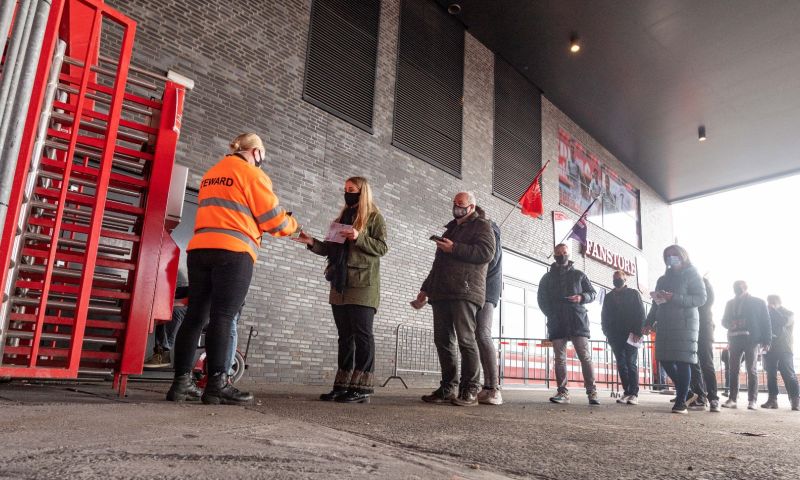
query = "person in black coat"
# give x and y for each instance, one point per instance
(747, 320)
(704, 377)
(674, 316)
(562, 293)
(490, 394)
(622, 317)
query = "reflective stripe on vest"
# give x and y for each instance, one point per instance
(265, 217)
(225, 203)
(279, 227)
(233, 233)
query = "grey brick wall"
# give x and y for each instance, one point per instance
(247, 59)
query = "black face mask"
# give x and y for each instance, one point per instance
(561, 259)
(460, 212)
(618, 282)
(258, 161)
(351, 198)
(738, 291)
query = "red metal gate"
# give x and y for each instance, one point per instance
(84, 232)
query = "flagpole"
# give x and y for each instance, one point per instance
(536, 178)
(569, 232)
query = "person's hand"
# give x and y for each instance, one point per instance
(574, 298)
(351, 234)
(646, 330)
(667, 296)
(445, 245)
(303, 237)
(765, 348)
(420, 301)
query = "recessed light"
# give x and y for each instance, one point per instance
(454, 9)
(701, 133)
(574, 44)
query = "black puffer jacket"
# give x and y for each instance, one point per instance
(461, 275)
(706, 318)
(622, 314)
(564, 318)
(677, 322)
(494, 275)
(782, 326)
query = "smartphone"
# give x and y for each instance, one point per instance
(436, 238)
(296, 233)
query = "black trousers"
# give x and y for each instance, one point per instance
(704, 378)
(218, 284)
(356, 347)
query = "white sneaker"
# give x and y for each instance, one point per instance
(633, 400)
(729, 403)
(752, 405)
(623, 399)
(490, 396)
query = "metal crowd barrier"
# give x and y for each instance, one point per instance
(525, 361)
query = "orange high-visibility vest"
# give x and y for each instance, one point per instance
(236, 206)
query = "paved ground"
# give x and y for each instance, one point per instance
(82, 431)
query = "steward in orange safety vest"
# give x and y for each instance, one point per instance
(237, 206)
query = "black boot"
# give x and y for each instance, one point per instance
(219, 391)
(353, 396)
(334, 394)
(183, 389)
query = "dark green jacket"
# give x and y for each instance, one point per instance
(461, 275)
(677, 322)
(363, 286)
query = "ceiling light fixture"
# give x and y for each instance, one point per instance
(701, 133)
(574, 46)
(454, 9)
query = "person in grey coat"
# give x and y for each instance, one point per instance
(780, 357)
(676, 320)
(747, 320)
(490, 394)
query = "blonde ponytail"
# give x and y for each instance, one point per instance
(246, 141)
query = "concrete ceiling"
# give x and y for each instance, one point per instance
(651, 71)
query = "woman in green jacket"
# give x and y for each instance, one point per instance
(354, 273)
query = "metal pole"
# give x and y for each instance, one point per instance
(12, 63)
(11, 137)
(6, 15)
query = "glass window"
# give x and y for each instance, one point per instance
(521, 268)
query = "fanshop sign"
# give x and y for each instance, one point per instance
(614, 260)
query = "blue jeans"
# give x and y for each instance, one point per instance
(234, 343)
(783, 362)
(166, 332)
(681, 375)
(627, 366)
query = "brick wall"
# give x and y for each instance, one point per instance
(247, 59)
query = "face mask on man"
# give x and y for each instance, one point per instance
(460, 212)
(351, 198)
(561, 259)
(738, 291)
(674, 261)
(618, 282)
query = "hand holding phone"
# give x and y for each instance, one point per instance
(436, 238)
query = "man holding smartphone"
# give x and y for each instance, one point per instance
(456, 290)
(562, 293)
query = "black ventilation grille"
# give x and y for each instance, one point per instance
(430, 83)
(517, 132)
(341, 59)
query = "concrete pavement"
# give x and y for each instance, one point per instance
(84, 431)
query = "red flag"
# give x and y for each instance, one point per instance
(531, 200)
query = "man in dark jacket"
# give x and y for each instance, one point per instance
(622, 317)
(490, 394)
(747, 320)
(780, 357)
(704, 378)
(562, 293)
(456, 289)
